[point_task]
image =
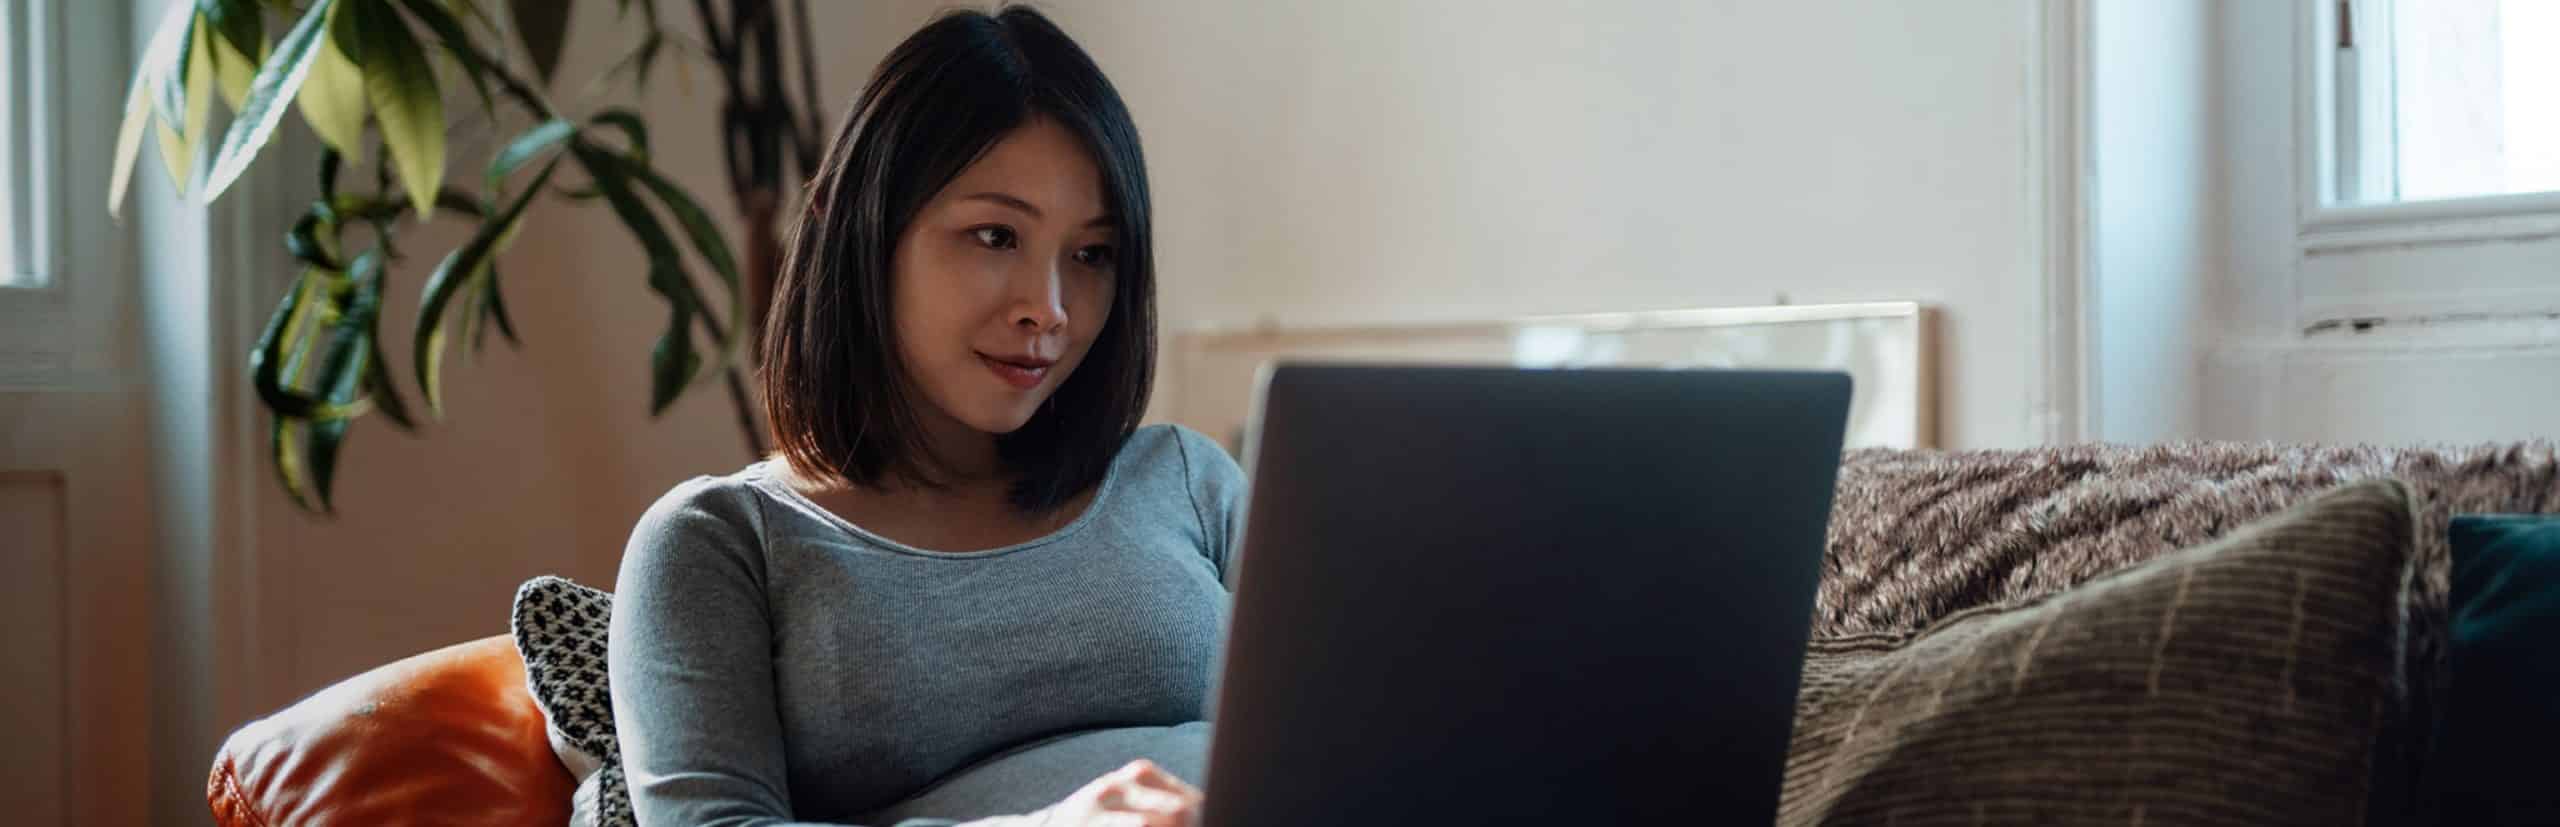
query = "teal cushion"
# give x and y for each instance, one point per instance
(2502, 719)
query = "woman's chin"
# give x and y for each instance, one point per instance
(1002, 422)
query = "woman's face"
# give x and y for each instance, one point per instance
(1004, 278)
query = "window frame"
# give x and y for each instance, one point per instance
(30, 33)
(2327, 224)
(61, 334)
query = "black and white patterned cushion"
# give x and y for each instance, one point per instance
(560, 627)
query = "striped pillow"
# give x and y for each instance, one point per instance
(2237, 682)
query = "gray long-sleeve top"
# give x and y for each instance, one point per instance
(773, 664)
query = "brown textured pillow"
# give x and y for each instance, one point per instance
(2238, 682)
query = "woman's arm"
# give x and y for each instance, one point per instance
(692, 668)
(1217, 493)
(691, 657)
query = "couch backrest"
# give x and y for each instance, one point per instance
(1918, 535)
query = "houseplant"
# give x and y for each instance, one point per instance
(370, 78)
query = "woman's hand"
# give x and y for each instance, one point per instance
(1138, 795)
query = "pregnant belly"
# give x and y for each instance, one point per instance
(1038, 775)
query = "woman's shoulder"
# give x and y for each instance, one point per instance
(708, 506)
(1182, 469)
(1186, 454)
(1188, 467)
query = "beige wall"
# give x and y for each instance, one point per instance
(1321, 162)
(1351, 161)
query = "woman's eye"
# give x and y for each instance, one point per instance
(997, 237)
(1097, 256)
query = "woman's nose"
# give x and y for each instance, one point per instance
(1039, 302)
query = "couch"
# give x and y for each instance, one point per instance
(452, 736)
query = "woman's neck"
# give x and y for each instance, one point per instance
(962, 456)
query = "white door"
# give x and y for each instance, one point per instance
(76, 527)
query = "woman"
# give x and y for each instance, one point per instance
(968, 586)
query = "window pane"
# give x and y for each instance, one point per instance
(2530, 39)
(2473, 94)
(13, 272)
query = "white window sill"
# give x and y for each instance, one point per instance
(2523, 216)
(2456, 263)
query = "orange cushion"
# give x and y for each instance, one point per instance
(446, 737)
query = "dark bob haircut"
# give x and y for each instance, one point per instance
(841, 405)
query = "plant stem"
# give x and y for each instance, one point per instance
(525, 95)
(746, 415)
(812, 130)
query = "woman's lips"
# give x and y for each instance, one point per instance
(1018, 375)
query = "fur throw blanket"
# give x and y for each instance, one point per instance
(1918, 535)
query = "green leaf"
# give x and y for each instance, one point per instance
(484, 287)
(240, 23)
(232, 74)
(345, 370)
(306, 442)
(386, 394)
(402, 88)
(284, 445)
(633, 129)
(544, 26)
(271, 363)
(449, 277)
(240, 42)
(672, 362)
(457, 43)
(292, 429)
(707, 241)
(475, 330)
(278, 79)
(697, 223)
(304, 244)
(330, 164)
(332, 100)
(186, 89)
(494, 304)
(137, 100)
(365, 314)
(541, 137)
(612, 178)
(453, 200)
(169, 90)
(472, 287)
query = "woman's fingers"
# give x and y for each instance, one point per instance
(1142, 794)
(1125, 819)
(1135, 798)
(1145, 773)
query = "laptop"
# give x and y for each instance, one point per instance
(1478, 596)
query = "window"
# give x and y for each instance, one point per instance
(25, 188)
(2443, 99)
(2425, 149)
